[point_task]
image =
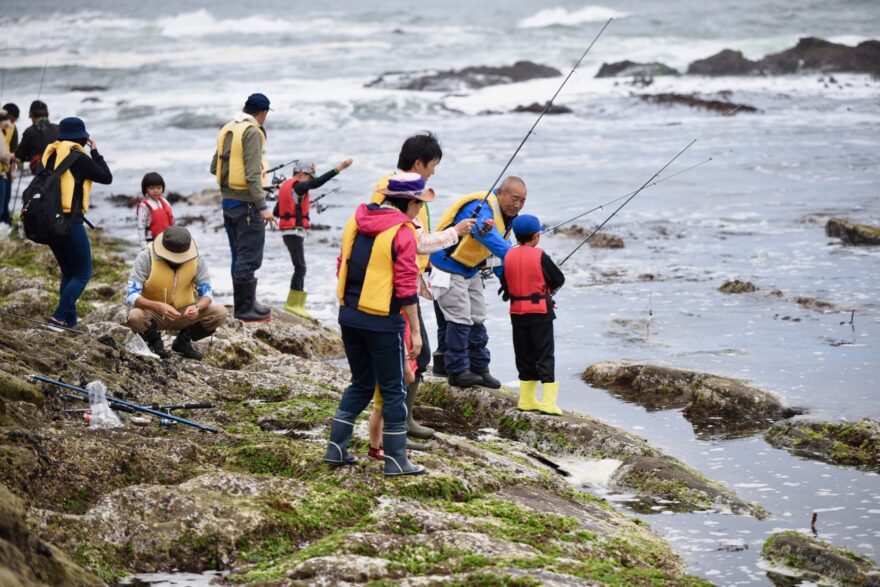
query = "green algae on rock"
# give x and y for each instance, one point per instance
(654, 477)
(715, 406)
(817, 561)
(852, 233)
(855, 444)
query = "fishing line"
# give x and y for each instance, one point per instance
(540, 116)
(45, 325)
(627, 201)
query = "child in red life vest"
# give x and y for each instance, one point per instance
(293, 213)
(529, 281)
(153, 212)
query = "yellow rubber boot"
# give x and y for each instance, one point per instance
(548, 399)
(528, 401)
(290, 306)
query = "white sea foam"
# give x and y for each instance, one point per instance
(201, 23)
(561, 17)
(593, 473)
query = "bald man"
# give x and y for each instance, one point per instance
(457, 285)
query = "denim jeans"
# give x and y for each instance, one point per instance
(247, 235)
(374, 357)
(74, 256)
(5, 194)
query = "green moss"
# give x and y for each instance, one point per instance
(494, 580)
(429, 487)
(106, 563)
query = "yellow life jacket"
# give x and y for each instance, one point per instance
(174, 287)
(237, 180)
(61, 149)
(7, 134)
(424, 218)
(378, 287)
(470, 252)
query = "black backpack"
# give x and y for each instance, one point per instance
(41, 205)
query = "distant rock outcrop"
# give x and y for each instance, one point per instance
(736, 287)
(469, 78)
(810, 54)
(852, 233)
(537, 108)
(694, 101)
(632, 69)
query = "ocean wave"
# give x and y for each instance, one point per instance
(561, 17)
(201, 23)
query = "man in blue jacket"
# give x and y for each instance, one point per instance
(457, 285)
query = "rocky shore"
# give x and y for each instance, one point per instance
(802, 558)
(854, 444)
(86, 507)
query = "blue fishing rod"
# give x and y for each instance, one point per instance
(124, 403)
(540, 116)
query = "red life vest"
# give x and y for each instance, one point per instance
(293, 214)
(525, 280)
(161, 216)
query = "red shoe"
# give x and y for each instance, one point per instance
(377, 454)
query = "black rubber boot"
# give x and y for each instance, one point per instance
(198, 332)
(488, 380)
(465, 379)
(413, 428)
(396, 461)
(439, 366)
(244, 292)
(258, 307)
(153, 338)
(337, 453)
(183, 345)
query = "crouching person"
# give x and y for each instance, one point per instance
(170, 289)
(378, 277)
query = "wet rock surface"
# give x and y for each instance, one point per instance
(632, 69)
(256, 499)
(469, 78)
(855, 444)
(715, 406)
(736, 286)
(810, 54)
(852, 233)
(808, 559)
(695, 101)
(537, 108)
(656, 477)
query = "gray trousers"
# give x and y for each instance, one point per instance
(464, 306)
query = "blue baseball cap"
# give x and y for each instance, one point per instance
(72, 129)
(526, 224)
(258, 101)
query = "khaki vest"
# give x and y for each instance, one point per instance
(174, 287)
(61, 149)
(237, 179)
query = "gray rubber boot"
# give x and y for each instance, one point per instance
(337, 448)
(396, 463)
(413, 428)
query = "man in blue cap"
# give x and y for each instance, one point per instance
(239, 168)
(529, 280)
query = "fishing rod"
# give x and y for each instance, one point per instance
(42, 78)
(17, 187)
(282, 166)
(120, 402)
(325, 194)
(41, 323)
(627, 201)
(164, 408)
(601, 206)
(540, 116)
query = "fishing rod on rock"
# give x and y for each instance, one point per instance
(608, 203)
(627, 201)
(53, 327)
(540, 116)
(119, 402)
